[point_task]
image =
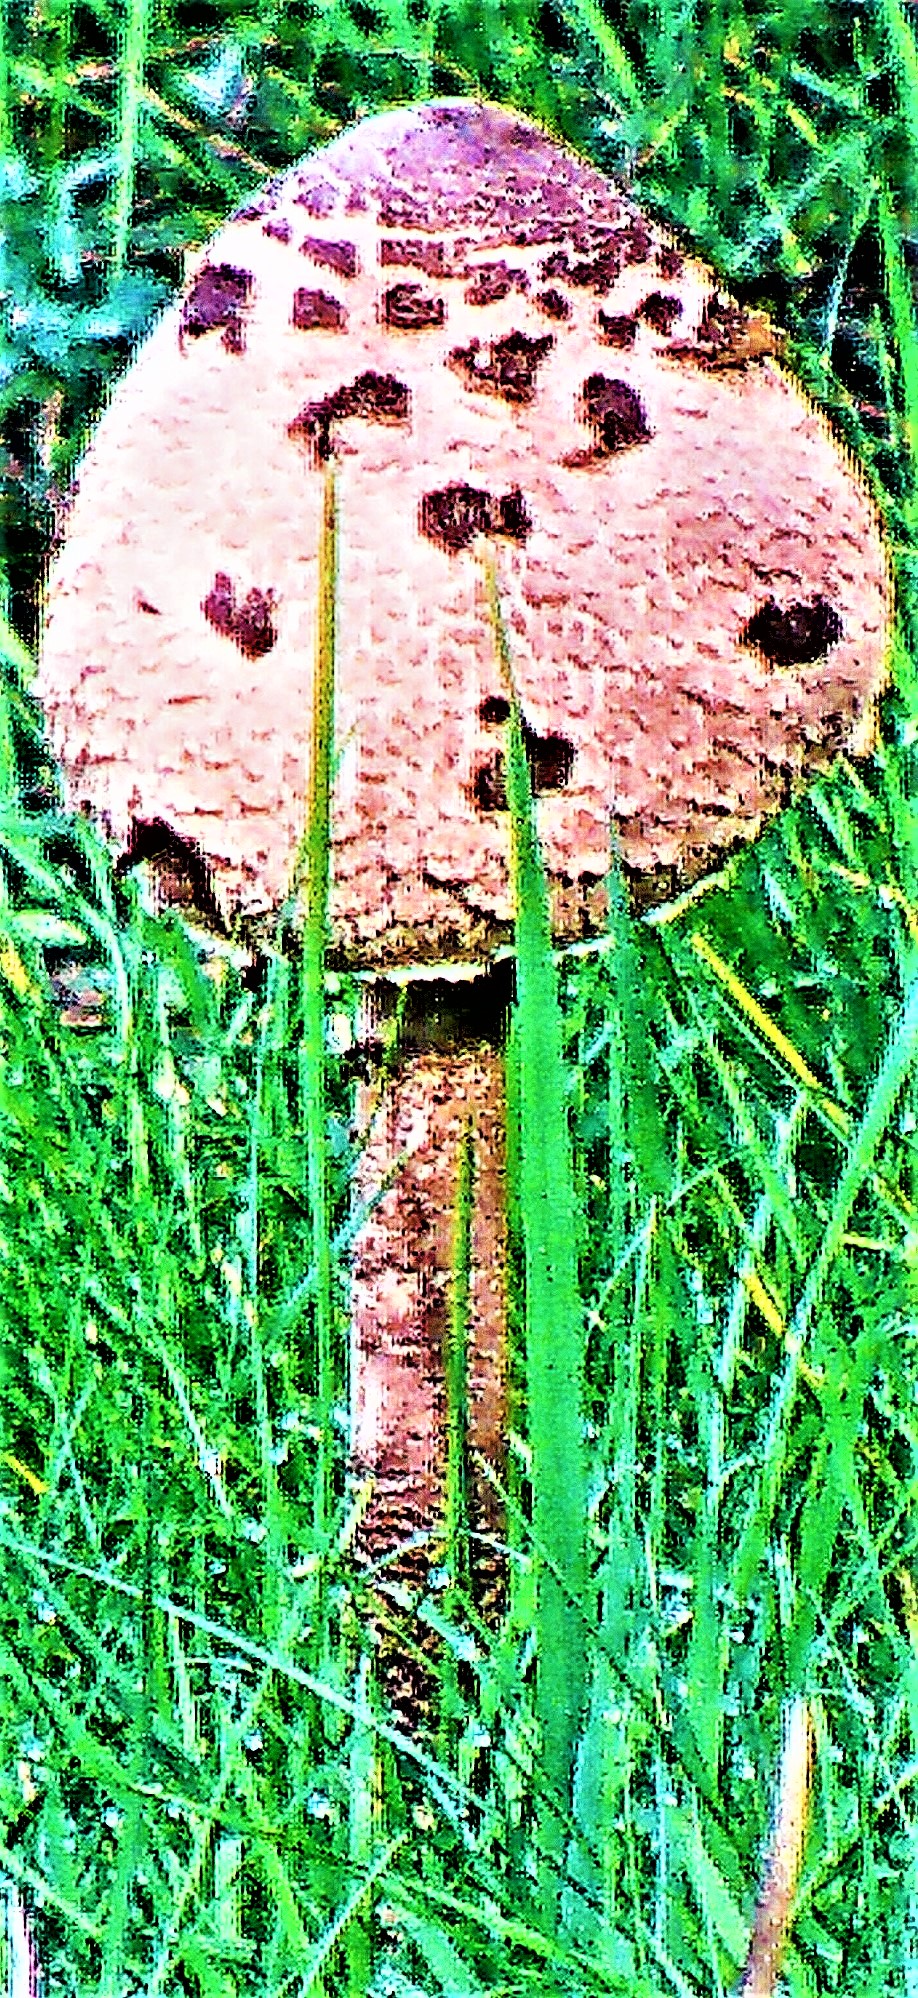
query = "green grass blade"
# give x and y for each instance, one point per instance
(865, 1142)
(317, 845)
(902, 311)
(555, 1335)
(900, 39)
(456, 1372)
(614, 58)
(127, 145)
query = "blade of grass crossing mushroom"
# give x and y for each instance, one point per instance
(899, 757)
(17, 666)
(902, 312)
(316, 856)
(555, 1332)
(456, 1371)
(455, 1381)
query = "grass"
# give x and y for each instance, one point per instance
(710, 1488)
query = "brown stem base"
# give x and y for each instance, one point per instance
(400, 1303)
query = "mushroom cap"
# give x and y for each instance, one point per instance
(491, 339)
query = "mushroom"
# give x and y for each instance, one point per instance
(492, 341)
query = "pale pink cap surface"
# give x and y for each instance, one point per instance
(640, 554)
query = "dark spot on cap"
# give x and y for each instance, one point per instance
(253, 626)
(217, 298)
(508, 368)
(318, 199)
(513, 518)
(634, 242)
(377, 398)
(313, 428)
(617, 329)
(182, 876)
(456, 513)
(338, 257)
(597, 273)
(550, 759)
(493, 282)
(405, 306)
(615, 413)
(218, 606)
(318, 310)
(670, 261)
(401, 210)
(794, 635)
(660, 309)
(249, 624)
(489, 791)
(420, 256)
(553, 303)
(280, 229)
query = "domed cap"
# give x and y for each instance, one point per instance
(491, 340)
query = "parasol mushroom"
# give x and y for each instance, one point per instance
(492, 341)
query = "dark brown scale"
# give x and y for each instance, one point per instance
(421, 256)
(624, 424)
(634, 242)
(509, 369)
(617, 329)
(375, 397)
(660, 310)
(615, 413)
(597, 273)
(379, 398)
(318, 200)
(219, 604)
(250, 624)
(796, 635)
(454, 515)
(493, 282)
(318, 310)
(338, 257)
(181, 873)
(217, 298)
(253, 625)
(554, 303)
(406, 307)
(550, 759)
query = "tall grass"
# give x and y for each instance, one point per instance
(317, 843)
(554, 1365)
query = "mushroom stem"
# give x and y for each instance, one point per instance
(401, 1291)
(773, 1914)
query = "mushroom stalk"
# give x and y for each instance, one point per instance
(401, 1290)
(773, 1914)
